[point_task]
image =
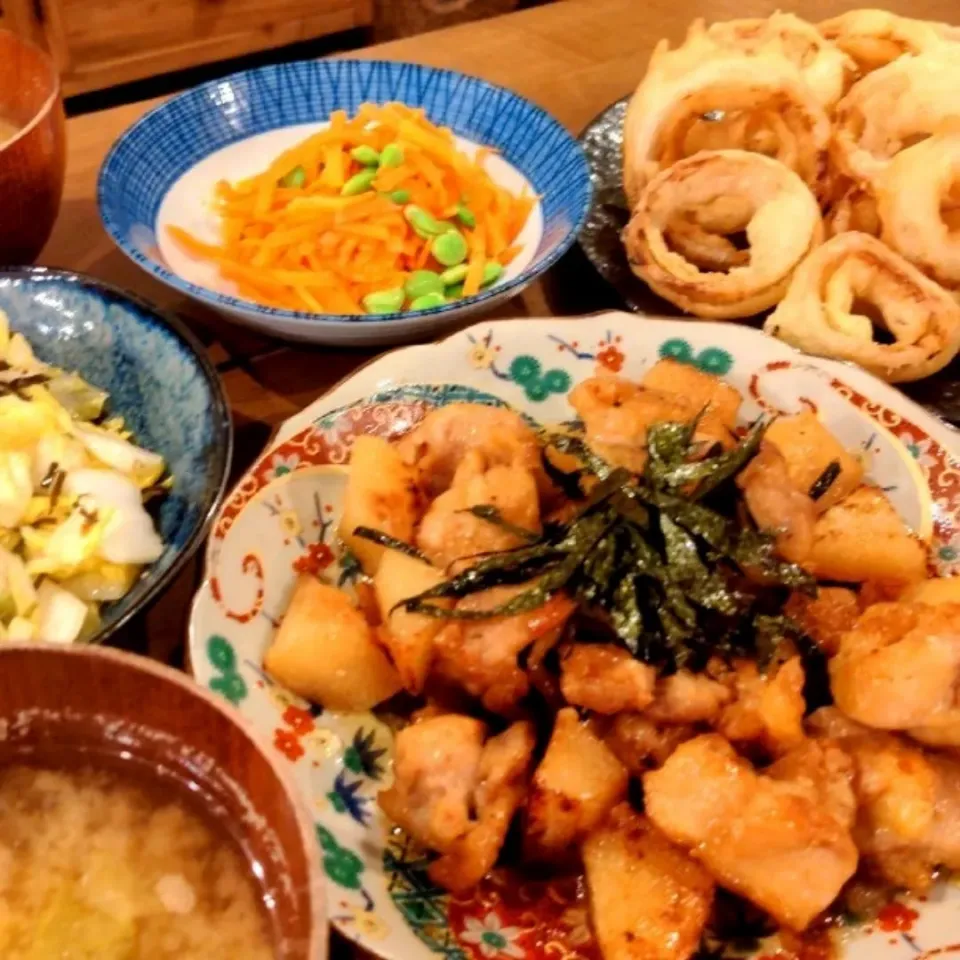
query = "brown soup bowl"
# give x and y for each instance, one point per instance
(67, 705)
(33, 161)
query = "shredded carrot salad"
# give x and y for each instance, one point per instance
(374, 214)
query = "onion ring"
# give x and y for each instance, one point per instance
(911, 194)
(700, 235)
(772, 194)
(825, 68)
(909, 98)
(819, 314)
(679, 89)
(874, 38)
(855, 209)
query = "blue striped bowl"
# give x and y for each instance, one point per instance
(159, 380)
(157, 151)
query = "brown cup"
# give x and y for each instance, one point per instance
(60, 705)
(33, 163)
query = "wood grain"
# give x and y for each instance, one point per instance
(99, 43)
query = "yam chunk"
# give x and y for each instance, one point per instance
(381, 493)
(704, 391)
(809, 448)
(325, 651)
(864, 538)
(648, 899)
(933, 592)
(408, 637)
(577, 783)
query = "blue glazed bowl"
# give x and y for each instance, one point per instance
(161, 382)
(160, 148)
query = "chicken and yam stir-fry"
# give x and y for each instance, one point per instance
(684, 654)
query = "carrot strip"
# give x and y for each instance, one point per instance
(303, 245)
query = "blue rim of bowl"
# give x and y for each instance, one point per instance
(220, 412)
(215, 299)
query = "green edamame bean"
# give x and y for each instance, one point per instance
(454, 275)
(295, 179)
(449, 248)
(359, 183)
(455, 292)
(427, 301)
(423, 224)
(384, 301)
(391, 155)
(422, 283)
(365, 155)
(399, 196)
(465, 216)
(492, 272)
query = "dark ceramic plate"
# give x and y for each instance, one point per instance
(159, 379)
(602, 141)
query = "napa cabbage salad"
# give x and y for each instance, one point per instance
(74, 533)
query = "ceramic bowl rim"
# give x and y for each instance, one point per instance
(47, 106)
(161, 671)
(223, 427)
(319, 320)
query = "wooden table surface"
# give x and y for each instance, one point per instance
(572, 57)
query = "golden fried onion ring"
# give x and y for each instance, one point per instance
(881, 115)
(772, 194)
(855, 209)
(818, 314)
(874, 38)
(701, 235)
(825, 68)
(911, 197)
(679, 90)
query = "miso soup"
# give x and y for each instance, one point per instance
(99, 865)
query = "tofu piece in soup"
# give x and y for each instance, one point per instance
(326, 652)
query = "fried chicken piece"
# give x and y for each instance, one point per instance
(640, 744)
(770, 840)
(501, 785)
(648, 899)
(436, 764)
(440, 442)
(617, 414)
(825, 617)
(605, 678)
(481, 655)
(686, 697)
(908, 820)
(766, 710)
(777, 505)
(448, 532)
(899, 665)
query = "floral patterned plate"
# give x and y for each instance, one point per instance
(281, 519)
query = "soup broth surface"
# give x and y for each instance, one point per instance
(95, 865)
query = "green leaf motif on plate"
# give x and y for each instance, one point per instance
(526, 371)
(710, 360)
(229, 684)
(221, 654)
(342, 866)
